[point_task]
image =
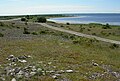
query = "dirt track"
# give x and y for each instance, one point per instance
(80, 34)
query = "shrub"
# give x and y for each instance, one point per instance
(89, 30)
(26, 23)
(1, 35)
(1, 24)
(34, 33)
(23, 19)
(43, 32)
(107, 26)
(41, 19)
(77, 41)
(27, 17)
(93, 33)
(26, 31)
(61, 26)
(113, 46)
(68, 23)
(18, 27)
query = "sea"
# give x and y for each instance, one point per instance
(101, 18)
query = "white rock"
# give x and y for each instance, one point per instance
(49, 63)
(54, 76)
(11, 56)
(69, 71)
(22, 61)
(57, 74)
(29, 56)
(39, 69)
(13, 79)
(1, 78)
(32, 73)
(95, 64)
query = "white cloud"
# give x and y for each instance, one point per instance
(45, 9)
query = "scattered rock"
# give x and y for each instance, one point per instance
(22, 57)
(54, 76)
(29, 56)
(13, 79)
(116, 74)
(69, 71)
(32, 73)
(49, 63)
(2, 78)
(95, 64)
(22, 61)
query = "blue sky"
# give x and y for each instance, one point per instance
(18, 7)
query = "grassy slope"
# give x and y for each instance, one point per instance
(52, 47)
(93, 29)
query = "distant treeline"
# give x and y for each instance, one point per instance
(49, 15)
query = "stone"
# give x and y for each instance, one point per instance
(49, 63)
(29, 56)
(34, 68)
(61, 71)
(95, 64)
(69, 71)
(17, 69)
(21, 72)
(13, 79)
(11, 56)
(1, 78)
(27, 75)
(57, 74)
(54, 76)
(22, 61)
(39, 69)
(32, 73)
(22, 57)
(116, 74)
(19, 76)
(52, 71)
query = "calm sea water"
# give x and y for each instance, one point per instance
(113, 19)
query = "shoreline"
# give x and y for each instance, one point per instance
(75, 22)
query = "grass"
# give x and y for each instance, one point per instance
(112, 32)
(58, 48)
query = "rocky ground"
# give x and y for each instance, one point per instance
(18, 68)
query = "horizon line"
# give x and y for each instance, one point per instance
(61, 13)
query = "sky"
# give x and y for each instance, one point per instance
(28, 7)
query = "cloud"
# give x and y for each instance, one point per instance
(45, 9)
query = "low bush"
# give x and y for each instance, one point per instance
(1, 35)
(107, 26)
(1, 24)
(114, 46)
(34, 33)
(23, 19)
(67, 23)
(26, 31)
(41, 19)
(43, 32)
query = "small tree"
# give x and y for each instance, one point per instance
(41, 19)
